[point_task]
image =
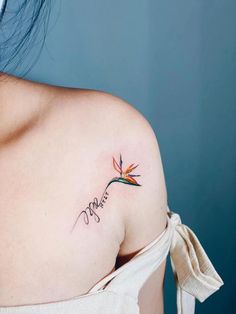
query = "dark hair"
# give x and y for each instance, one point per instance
(21, 22)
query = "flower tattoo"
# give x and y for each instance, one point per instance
(125, 177)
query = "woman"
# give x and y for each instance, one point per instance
(84, 220)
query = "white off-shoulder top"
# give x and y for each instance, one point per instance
(117, 293)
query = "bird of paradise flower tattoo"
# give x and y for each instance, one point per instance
(125, 177)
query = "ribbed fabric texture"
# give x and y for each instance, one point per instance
(118, 292)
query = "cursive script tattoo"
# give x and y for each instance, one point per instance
(125, 177)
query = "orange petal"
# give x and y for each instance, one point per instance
(132, 180)
(130, 168)
(116, 166)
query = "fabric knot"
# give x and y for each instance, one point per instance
(194, 273)
(174, 218)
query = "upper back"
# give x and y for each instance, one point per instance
(57, 169)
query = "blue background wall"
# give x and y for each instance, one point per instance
(175, 61)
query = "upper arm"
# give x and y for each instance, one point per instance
(144, 207)
(150, 297)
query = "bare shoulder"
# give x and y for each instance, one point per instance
(105, 106)
(116, 127)
(104, 109)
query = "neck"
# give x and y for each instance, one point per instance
(22, 102)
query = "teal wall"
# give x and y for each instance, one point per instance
(175, 61)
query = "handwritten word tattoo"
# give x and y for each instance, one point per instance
(125, 177)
